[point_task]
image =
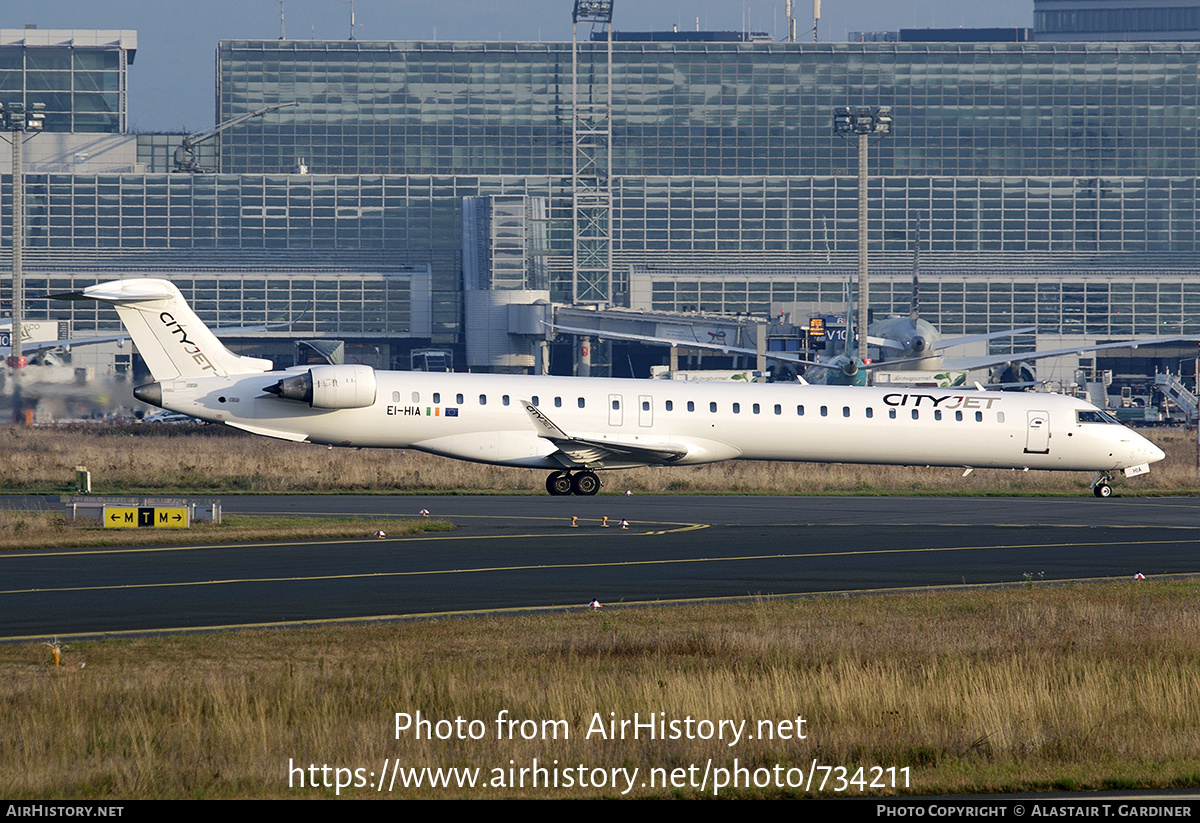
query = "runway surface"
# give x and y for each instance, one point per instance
(521, 553)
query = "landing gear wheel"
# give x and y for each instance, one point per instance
(558, 483)
(1102, 490)
(585, 483)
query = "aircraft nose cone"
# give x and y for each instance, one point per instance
(1154, 453)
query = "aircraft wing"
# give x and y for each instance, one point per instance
(29, 348)
(986, 362)
(33, 348)
(688, 344)
(582, 451)
(786, 357)
(950, 342)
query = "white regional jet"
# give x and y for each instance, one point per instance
(573, 426)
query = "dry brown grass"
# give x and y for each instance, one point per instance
(160, 459)
(1030, 688)
(48, 530)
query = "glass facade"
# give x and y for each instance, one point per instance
(715, 109)
(1116, 20)
(1055, 184)
(81, 79)
(356, 305)
(1070, 302)
(1013, 156)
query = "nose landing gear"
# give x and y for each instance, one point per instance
(1102, 484)
(584, 483)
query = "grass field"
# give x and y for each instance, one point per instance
(211, 459)
(1032, 688)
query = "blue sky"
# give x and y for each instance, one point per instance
(171, 81)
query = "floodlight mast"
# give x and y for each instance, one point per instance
(592, 11)
(17, 119)
(862, 122)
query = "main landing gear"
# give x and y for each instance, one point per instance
(584, 483)
(1102, 484)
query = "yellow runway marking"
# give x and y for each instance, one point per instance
(610, 564)
(683, 527)
(572, 607)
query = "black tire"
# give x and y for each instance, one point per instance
(585, 484)
(1102, 490)
(558, 484)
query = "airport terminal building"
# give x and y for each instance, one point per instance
(419, 191)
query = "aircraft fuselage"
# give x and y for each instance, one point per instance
(484, 418)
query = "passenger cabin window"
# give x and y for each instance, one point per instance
(755, 408)
(437, 397)
(416, 396)
(616, 404)
(645, 405)
(558, 402)
(691, 406)
(534, 400)
(870, 412)
(737, 408)
(483, 399)
(580, 402)
(999, 417)
(778, 409)
(396, 397)
(937, 414)
(958, 416)
(712, 407)
(504, 399)
(460, 399)
(916, 414)
(824, 411)
(892, 414)
(670, 406)
(799, 411)
(978, 417)
(845, 411)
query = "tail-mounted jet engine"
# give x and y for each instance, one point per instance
(330, 387)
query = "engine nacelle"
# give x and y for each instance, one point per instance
(330, 387)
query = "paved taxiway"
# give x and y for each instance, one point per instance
(514, 553)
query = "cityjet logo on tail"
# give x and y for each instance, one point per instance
(944, 401)
(168, 320)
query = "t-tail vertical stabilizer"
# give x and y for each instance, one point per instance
(170, 337)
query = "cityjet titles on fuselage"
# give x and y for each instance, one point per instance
(942, 401)
(168, 320)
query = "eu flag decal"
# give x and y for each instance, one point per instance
(452, 412)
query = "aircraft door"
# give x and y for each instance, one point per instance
(614, 410)
(645, 410)
(1037, 434)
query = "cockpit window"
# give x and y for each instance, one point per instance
(1094, 416)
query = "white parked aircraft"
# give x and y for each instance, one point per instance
(574, 426)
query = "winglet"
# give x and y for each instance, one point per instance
(545, 427)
